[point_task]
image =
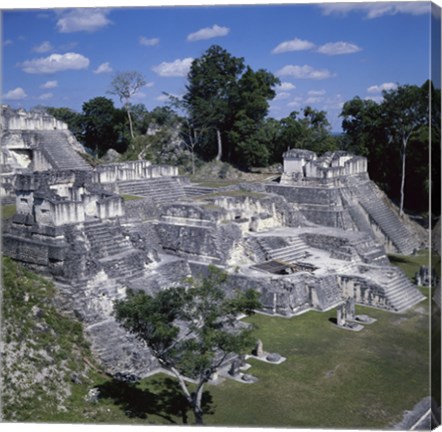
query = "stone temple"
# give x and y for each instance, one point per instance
(309, 242)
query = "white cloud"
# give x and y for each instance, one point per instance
(55, 63)
(304, 72)
(177, 68)
(313, 100)
(149, 84)
(316, 92)
(293, 45)
(7, 42)
(46, 96)
(296, 102)
(380, 88)
(16, 94)
(208, 33)
(139, 95)
(281, 96)
(149, 42)
(85, 19)
(376, 10)
(334, 103)
(43, 47)
(338, 48)
(377, 99)
(103, 68)
(162, 98)
(285, 86)
(49, 84)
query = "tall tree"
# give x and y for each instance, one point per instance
(190, 331)
(249, 107)
(212, 80)
(125, 85)
(406, 111)
(101, 122)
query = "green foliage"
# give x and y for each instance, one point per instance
(73, 119)
(387, 131)
(103, 126)
(228, 102)
(7, 211)
(189, 330)
(204, 308)
(42, 349)
(310, 132)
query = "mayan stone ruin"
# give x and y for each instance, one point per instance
(310, 242)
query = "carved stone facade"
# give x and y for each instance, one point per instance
(75, 226)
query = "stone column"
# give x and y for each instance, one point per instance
(341, 315)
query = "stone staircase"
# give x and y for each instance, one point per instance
(162, 190)
(116, 254)
(106, 239)
(295, 251)
(56, 149)
(195, 190)
(400, 292)
(118, 350)
(386, 219)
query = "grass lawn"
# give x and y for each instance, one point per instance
(7, 211)
(332, 378)
(411, 264)
(131, 197)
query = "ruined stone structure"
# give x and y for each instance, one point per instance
(35, 142)
(75, 227)
(335, 190)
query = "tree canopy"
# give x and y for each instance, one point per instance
(394, 136)
(229, 101)
(191, 331)
(125, 85)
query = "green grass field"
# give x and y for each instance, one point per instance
(332, 378)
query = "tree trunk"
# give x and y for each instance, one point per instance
(220, 145)
(193, 399)
(404, 155)
(196, 405)
(130, 122)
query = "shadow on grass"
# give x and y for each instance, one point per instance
(163, 398)
(398, 259)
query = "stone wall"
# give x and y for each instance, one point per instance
(130, 171)
(64, 197)
(22, 120)
(301, 164)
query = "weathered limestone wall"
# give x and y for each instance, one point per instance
(200, 243)
(22, 120)
(133, 170)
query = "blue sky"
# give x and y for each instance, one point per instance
(324, 54)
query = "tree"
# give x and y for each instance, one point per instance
(212, 82)
(405, 110)
(125, 85)
(192, 132)
(229, 102)
(101, 122)
(310, 132)
(191, 331)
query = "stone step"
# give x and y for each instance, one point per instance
(56, 148)
(193, 191)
